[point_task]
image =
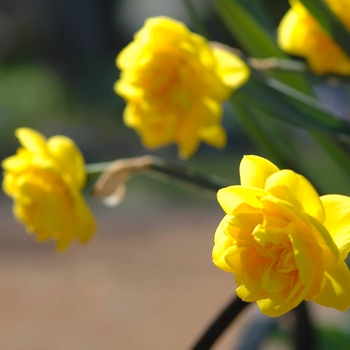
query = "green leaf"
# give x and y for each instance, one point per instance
(291, 106)
(339, 154)
(259, 135)
(247, 31)
(259, 10)
(330, 22)
(319, 115)
(256, 41)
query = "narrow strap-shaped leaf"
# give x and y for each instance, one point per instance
(256, 41)
(290, 106)
(258, 9)
(247, 30)
(200, 28)
(335, 149)
(263, 140)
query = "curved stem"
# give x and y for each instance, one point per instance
(121, 170)
(185, 175)
(220, 324)
(303, 337)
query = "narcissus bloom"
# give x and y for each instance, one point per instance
(283, 243)
(300, 34)
(174, 84)
(45, 179)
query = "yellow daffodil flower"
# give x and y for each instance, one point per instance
(300, 34)
(45, 179)
(174, 84)
(283, 243)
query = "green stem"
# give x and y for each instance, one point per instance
(185, 175)
(162, 170)
(274, 63)
(220, 324)
(304, 335)
(290, 65)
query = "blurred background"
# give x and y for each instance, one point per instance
(146, 281)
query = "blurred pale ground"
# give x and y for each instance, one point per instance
(146, 281)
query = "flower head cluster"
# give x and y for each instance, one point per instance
(45, 179)
(283, 242)
(300, 34)
(174, 84)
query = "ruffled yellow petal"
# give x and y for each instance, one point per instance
(14, 163)
(233, 197)
(187, 136)
(31, 140)
(125, 89)
(156, 131)
(63, 243)
(162, 30)
(292, 32)
(174, 83)
(255, 170)
(335, 289)
(270, 308)
(245, 295)
(214, 136)
(314, 232)
(222, 243)
(82, 226)
(301, 254)
(45, 202)
(295, 296)
(282, 242)
(297, 190)
(44, 179)
(128, 56)
(300, 34)
(233, 71)
(211, 113)
(337, 221)
(69, 158)
(86, 223)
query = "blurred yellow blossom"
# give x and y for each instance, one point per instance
(300, 34)
(45, 179)
(283, 242)
(174, 84)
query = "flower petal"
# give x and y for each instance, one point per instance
(222, 243)
(315, 233)
(232, 197)
(297, 190)
(174, 84)
(337, 221)
(335, 290)
(69, 157)
(233, 71)
(31, 140)
(255, 170)
(214, 136)
(301, 35)
(302, 254)
(270, 308)
(245, 295)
